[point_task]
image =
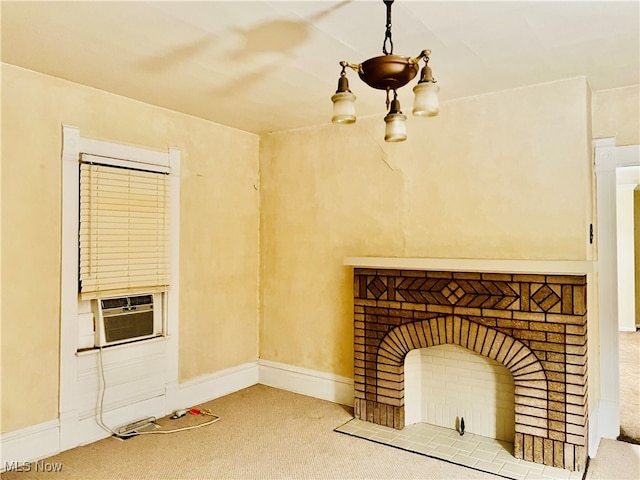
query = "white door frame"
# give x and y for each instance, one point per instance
(609, 157)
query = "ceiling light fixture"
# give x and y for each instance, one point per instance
(389, 72)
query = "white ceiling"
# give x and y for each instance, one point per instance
(267, 66)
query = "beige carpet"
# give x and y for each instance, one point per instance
(630, 386)
(615, 461)
(265, 433)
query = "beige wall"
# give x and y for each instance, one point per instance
(504, 175)
(625, 251)
(218, 232)
(636, 238)
(616, 114)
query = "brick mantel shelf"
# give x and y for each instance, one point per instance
(530, 316)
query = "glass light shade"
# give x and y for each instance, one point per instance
(344, 107)
(396, 129)
(425, 102)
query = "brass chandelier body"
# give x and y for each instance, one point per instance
(388, 72)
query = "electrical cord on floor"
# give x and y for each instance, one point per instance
(193, 411)
(177, 414)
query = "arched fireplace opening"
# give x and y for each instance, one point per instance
(450, 386)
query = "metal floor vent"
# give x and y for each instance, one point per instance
(131, 430)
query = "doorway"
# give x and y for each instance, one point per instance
(610, 159)
(627, 225)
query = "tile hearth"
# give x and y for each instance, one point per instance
(469, 450)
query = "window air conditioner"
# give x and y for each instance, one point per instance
(127, 319)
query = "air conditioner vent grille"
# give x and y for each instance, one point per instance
(115, 302)
(123, 327)
(123, 302)
(141, 300)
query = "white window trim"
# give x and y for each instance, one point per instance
(73, 145)
(116, 162)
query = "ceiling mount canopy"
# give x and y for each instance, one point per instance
(389, 72)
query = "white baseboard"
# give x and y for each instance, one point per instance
(313, 383)
(594, 431)
(624, 328)
(88, 430)
(29, 444)
(609, 420)
(43, 440)
(604, 422)
(215, 385)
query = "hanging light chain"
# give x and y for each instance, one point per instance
(387, 35)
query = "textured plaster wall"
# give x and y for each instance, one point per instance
(636, 239)
(218, 232)
(504, 175)
(616, 113)
(326, 194)
(626, 258)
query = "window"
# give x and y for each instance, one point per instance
(124, 228)
(78, 388)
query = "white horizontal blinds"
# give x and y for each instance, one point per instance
(124, 230)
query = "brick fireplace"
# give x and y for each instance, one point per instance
(533, 324)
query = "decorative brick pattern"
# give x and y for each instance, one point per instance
(535, 325)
